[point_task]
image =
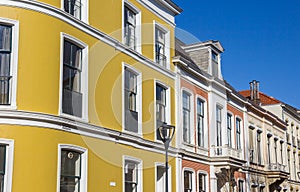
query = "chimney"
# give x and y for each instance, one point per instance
(254, 91)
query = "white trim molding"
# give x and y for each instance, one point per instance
(83, 164)
(9, 160)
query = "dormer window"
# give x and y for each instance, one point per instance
(214, 56)
(215, 62)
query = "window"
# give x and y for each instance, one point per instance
(238, 133)
(8, 61)
(161, 104)
(72, 68)
(186, 117)
(259, 157)
(76, 8)
(73, 7)
(275, 150)
(6, 164)
(70, 174)
(130, 100)
(215, 66)
(229, 129)
(294, 161)
(160, 47)
(202, 182)
(188, 181)
(129, 27)
(251, 144)
(219, 125)
(5, 54)
(161, 178)
(74, 78)
(200, 122)
(281, 153)
(214, 56)
(298, 162)
(268, 146)
(289, 161)
(132, 176)
(72, 168)
(241, 186)
(2, 166)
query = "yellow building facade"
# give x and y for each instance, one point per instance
(84, 85)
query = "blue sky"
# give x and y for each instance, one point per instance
(261, 40)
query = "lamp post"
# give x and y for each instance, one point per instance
(166, 133)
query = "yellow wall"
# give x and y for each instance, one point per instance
(38, 158)
(39, 71)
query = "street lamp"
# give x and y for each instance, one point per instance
(166, 133)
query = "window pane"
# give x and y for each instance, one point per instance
(202, 183)
(73, 7)
(186, 100)
(70, 163)
(130, 28)
(5, 38)
(130, 17)
(131, 180)
(160, 47)
(72, 55)
(69, 184)
(160, 103)
(5, 57)
(71, 79)
(2, 158)
(187, 181)
(4, 64)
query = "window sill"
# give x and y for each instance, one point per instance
(71, 117)
(8, 107)
(132, 133)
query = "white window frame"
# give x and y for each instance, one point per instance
(221, 108)
(13, 61)
(139, 164)
(139, 103)
(241, 133)
(9, 160)
(193, 178)
(204, 119)
(84, 77)
(138, 29)
(206, 180)
(159, 164)
(167, 43)
(215, 61)
(192, 116)
(84, 165)
(84, 10)
(168, 105)
(232, 129)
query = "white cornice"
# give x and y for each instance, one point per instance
(40, 120)
(63, 16)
